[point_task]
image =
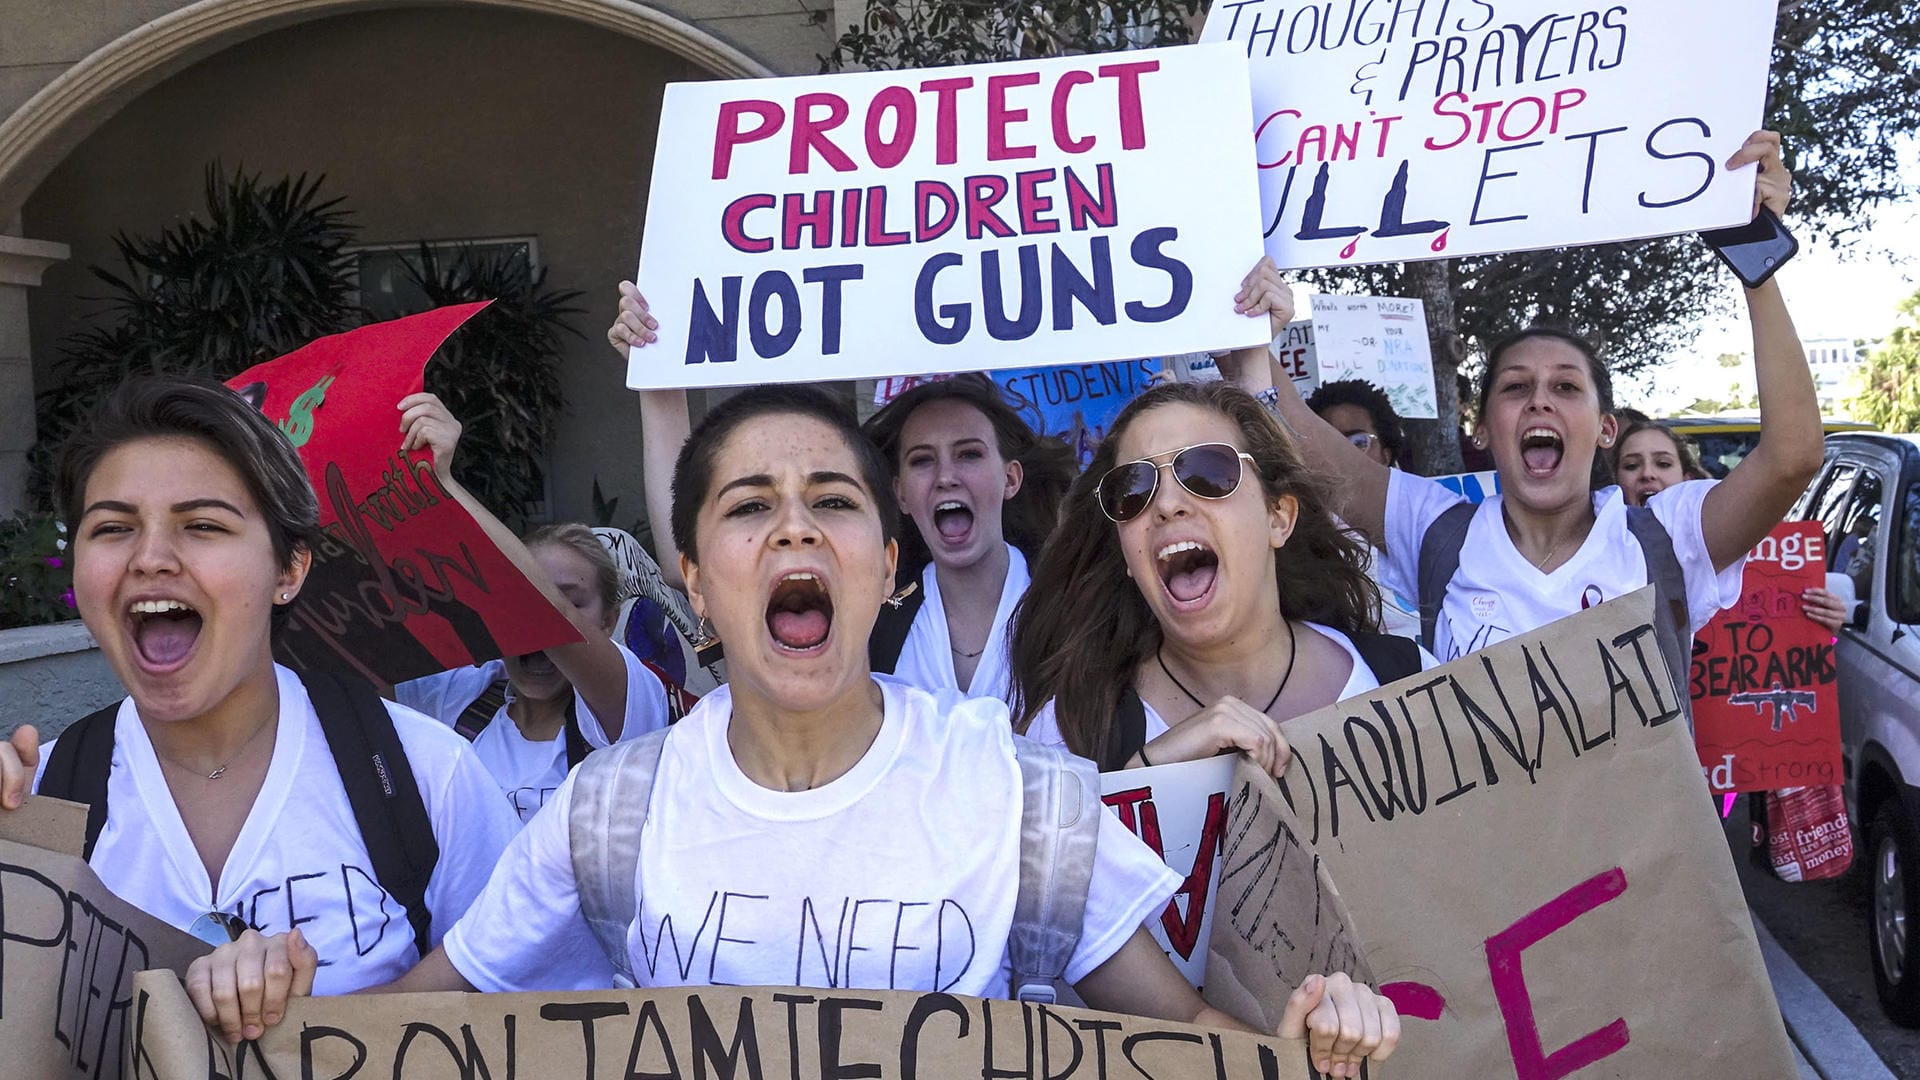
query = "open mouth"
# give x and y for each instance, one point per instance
(800, 613)
(164, 632)
(953, 521)
(1541, 449)
(1188, 569)
(537, 664)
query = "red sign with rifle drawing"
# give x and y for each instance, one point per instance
(1765, 705)
(404, 582)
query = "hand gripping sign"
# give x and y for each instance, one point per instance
(1390, 130)
(1074, 209)
(1526, 860)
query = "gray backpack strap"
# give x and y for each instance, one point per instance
(1675, 631)
(1439, 558)
(1059, 835)
(611, 793)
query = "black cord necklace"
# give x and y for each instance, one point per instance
(1293, 653)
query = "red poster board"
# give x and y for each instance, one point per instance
(1765, 706)
(405, 583)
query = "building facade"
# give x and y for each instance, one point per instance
(518, 121)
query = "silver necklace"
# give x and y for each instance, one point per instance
(222, 770)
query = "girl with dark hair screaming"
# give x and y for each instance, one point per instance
(1248, 603)
(979, 492)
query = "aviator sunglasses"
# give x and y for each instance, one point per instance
(1207, 470)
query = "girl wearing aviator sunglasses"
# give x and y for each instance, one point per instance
(1247, 603)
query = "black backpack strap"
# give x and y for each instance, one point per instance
(577, 746)
(1128, 732)
(381, 790)
(1675, 631)
(78, 766)
(1439, 558)
(481, 710)
(889, 634)
(1390, 656)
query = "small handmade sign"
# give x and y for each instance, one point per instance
(1766, 706)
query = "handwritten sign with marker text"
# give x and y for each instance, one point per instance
(1388, 132)
(979, 217)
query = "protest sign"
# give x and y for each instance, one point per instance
(1530, 863)
(404, 582)
(1390, 132)
(977, 217)
(1180, 811)
(722, 1032)
(69, 949)
(1766, 707)
(1075, 403)
(1377, 339)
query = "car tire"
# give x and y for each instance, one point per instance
(1893, 912)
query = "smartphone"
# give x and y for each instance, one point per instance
(1755, 250)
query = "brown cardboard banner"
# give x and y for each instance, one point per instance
(1529, 861)
(69, 950)
(719, 1032)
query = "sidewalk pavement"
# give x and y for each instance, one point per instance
(1826, 1045)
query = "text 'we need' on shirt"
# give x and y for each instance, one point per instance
(299, 859)
(899, 874)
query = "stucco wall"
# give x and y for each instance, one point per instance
(451, 122)
(51, 676)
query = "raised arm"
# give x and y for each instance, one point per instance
(665, 423)
(1760, 490)
(1360, 482)
(593, 665)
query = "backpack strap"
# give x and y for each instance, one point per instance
(1128, 732)
(612, 792)
(1059, 837)
(577, 746)
(78, 766)
(1675, 632)
(1390, 656)
(481, 710)
(1439, 558)
(382, 791)
(890, 630)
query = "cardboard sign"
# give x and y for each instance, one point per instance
(69, 950)
(1392, 132)
(978, 217)
(1378, 339)
(405, 583)
(1766, 707)
(720, 1032)
(1529, 863)
(1180, 811)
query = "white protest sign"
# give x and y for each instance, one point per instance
(1381, 339)
(1180, 811)
(1391, 131)
(1072, 209)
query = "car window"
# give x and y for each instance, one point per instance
(1906, 568)
(1720, 451)
(1860, 541)
(1828, 504)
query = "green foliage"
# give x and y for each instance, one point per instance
(935, 33)
(260, 273)
(500, 375)
(1889, 394)
(36, 584)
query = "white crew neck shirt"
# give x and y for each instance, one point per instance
(1045, 728)
(926, 658)
(299, 859)
(529, 772)
(1497, 593)
(899, 874)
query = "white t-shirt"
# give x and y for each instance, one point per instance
(1496, 593)
(299, 860)
(899, 874)
(528, 771)
(1045, 728)
(926, 658)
